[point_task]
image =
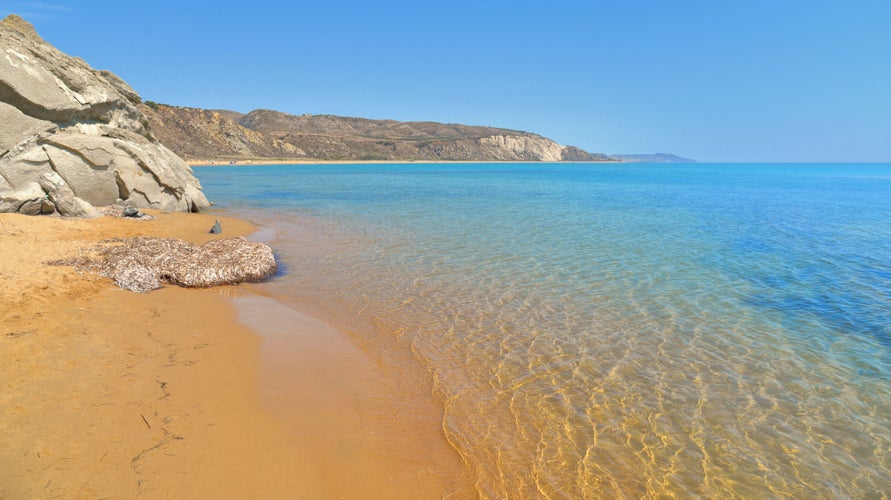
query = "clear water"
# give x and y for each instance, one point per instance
(614, 330)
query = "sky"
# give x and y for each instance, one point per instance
(735, 81)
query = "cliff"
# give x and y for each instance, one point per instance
(198, 134)
(72, 137)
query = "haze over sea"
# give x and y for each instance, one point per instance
(600, 330)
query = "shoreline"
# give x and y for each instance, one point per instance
(109, 392)
(299, 162)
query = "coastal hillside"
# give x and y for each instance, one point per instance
(200, 134)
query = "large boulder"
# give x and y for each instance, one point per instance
(29, 200)
(60, 116)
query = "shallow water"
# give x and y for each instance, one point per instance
(612, 330)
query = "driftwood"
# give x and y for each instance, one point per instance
(141, 264)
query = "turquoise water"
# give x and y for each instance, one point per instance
(613, 330)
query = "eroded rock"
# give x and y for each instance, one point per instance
(30, 200)
(59, 115)
(63, 197)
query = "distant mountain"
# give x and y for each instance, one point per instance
(653, 158)
(200, 134)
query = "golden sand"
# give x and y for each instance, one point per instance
(110, 393)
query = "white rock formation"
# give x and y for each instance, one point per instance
(65, 121)
(528, 148)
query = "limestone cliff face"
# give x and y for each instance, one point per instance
(526, 147)
(60, 117)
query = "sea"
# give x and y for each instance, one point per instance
(604, 330)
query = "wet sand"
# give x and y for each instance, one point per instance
(105, 392)
(372, 430)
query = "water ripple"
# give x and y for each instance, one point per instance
(617, 331)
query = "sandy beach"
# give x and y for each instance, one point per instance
(105, 392)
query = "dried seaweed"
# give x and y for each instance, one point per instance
(141, 264)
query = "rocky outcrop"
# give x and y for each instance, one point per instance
(62, 197)
(77, 133)
(29, 200)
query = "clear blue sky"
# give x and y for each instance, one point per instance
(758, 80)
